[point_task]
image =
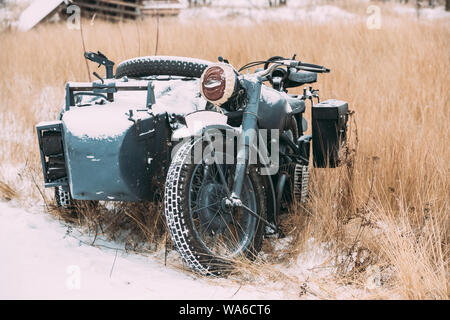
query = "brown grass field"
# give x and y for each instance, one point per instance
(386, 209)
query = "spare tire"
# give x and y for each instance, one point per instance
(161, 65)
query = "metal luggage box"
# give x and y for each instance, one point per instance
(329, 131)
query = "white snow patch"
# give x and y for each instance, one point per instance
(42, 259)
(97, 122)
(246, 15)
(177, 96)
(423, 13)
(9, 172)
(252, 3)
(110, 120)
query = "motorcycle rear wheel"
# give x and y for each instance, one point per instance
(206, 234)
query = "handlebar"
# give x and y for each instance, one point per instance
(280, 61)
(293, 64)
(305, 66)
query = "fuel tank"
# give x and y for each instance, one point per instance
(273, 108)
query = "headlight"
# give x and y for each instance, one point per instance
(218, 83)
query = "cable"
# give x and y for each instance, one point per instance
(251, 64)
(84, 49)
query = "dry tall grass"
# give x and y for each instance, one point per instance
(387, 208)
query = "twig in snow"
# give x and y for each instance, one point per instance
(112, 268)
(240, 286)
(165, 251)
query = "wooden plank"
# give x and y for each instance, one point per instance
(162, 8)
(161, 12)
(109, 17)
(118, 10)
(109, 4)
(107, 9)
(122, 3)
(163, 1)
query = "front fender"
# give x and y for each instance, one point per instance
(200, 121)
(198, 128)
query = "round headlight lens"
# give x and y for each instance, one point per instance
(217, 83)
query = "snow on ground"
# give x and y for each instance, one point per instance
(244, 12)
(437, 13)
(40, 259)
(43, 258)
(249, 14)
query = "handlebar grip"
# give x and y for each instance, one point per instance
(315, 69)
(315, 66)
(310, 65)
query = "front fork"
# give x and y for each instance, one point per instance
(246, 140)
(247, 137)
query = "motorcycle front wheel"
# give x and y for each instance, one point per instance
(209, 235)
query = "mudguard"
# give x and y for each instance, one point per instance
(199, 121)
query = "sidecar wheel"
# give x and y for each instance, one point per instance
(208, 235)
(63, 198)
(65, 201)
(161, 65)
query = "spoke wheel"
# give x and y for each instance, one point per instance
(222, 231)
(207, 233)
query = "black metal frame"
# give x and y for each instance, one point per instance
(109, 88)
(41, 128)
